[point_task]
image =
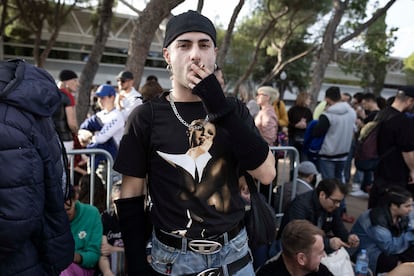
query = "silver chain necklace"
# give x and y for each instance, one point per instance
(174, 108)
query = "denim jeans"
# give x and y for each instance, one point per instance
(184, 261)
(333, 169)
(348, 162)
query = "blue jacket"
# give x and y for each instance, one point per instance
(35, 236)
(377, 234)
(94, 124)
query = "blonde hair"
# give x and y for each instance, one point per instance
(272, 92)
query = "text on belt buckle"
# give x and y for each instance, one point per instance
(210, 272)
(205, 247)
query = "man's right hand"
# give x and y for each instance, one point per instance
(336, 243)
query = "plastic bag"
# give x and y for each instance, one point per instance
(339, 263)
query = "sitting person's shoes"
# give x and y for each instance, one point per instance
(347, 218)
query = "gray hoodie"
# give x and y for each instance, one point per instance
(338, 139)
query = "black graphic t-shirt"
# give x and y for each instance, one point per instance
(192, 172)
(111, 229)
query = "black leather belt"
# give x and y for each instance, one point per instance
(232, 268)
(175, 241)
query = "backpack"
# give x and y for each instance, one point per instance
(366, 156)
(312, 144)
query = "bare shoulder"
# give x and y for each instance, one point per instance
(404, 269)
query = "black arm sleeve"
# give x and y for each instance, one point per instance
(131, 216)
(321, 128)
(249, 148)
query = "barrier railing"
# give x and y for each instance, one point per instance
(287, 161)
(92, 169)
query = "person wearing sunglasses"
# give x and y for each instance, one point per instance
(128, 97)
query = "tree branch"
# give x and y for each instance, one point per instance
(362, 27)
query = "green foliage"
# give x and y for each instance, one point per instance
(371, 67)
(409, 68)
(353, 17)
(18, 31)
(286, 37)
(238, 56)
(409, 63)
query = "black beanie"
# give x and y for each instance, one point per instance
(65, 75)
(190, 21)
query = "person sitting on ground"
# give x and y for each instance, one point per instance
(112, 260)
(320, 207)
(99, 194)
(86, 227)
(384, 231)
(303, 250)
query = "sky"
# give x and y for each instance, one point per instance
(399, 15)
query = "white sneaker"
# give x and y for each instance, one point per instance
(356, 187)
(360, 194)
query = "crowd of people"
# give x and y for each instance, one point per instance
(177, 204)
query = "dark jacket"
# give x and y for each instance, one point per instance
(60, 119)
(307, 206)
(35, 236)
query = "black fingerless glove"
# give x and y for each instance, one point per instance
(212, 96)
(131, 216)
(249, 148)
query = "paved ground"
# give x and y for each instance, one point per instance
(355, 206)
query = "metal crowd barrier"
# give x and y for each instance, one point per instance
(287, 162)
(91, 169)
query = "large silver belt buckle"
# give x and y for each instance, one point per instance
(210, 272)
(205, 247)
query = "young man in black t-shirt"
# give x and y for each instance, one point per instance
(191, 143)
(395, 147)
